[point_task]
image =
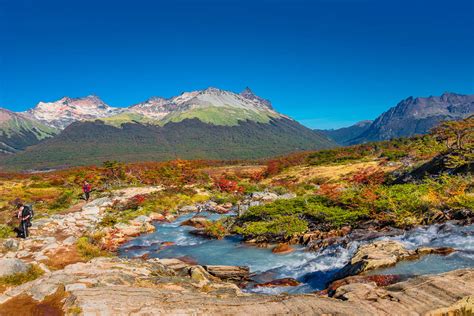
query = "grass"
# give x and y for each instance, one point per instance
(33, 273)
(88, 250)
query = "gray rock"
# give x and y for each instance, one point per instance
(11, 244)
(75, 286)
(9, 266)
(69, 241)
(142, 219)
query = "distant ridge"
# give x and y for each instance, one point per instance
(409, 117)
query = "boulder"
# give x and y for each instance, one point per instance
(279, 283)
(376, 255)
(157, 217)
(9, 266)
(283, 249)
(196, 222)
(232, 273)
(444, 251)
(11, 244)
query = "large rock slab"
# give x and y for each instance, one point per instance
(9, 266)
(234, 273)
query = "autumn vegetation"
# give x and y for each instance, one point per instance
(369, 192)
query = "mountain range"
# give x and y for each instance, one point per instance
(205, 124)
(411, 116)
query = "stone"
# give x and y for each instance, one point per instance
(188, 209)
(464, 306)
(142, 219)
(9, 266)
(279, 283)
(234, 273)
(71, 240)
(11, 244)
(75, 286)
(376, 255)
(282, 249)
(196, 222)
(157, 217)
(379, 280)
(444, 251)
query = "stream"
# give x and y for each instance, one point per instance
(313, 269)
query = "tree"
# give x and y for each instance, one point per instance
(457, 135)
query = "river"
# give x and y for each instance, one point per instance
(313, 269)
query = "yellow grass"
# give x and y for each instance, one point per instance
(331, 173)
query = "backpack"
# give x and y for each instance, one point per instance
(29, 210)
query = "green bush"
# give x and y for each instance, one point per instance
(88, 249)
(279, 226)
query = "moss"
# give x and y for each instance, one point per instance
(6, 231)
(33, 273)
(88, 249)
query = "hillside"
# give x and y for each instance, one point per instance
(412, 116)
(17, 132)
(345, 134)
(84, 143)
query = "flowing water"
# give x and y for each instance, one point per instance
(313, 269)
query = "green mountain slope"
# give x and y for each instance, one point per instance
(17, 132)
(85, 143)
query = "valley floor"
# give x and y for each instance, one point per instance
(107, 285)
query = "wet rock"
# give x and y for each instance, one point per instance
(9, 266)
(167, 244)
(282, 249)
(196, 222)
(379, 254)
(279, 283)
(233, 273)
(435, 251)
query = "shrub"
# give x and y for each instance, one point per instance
(215, 229)
(285, 226)
(88, 249)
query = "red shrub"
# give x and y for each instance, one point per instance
(225, 185)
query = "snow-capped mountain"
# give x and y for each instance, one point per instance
(63, 112)
(211, 105)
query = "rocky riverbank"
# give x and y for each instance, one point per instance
(66, 282)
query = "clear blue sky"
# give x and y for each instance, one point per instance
(327, 63)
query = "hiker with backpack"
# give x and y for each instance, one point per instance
(25, 215)
(86, 188)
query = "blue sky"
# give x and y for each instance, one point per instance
(326, 63)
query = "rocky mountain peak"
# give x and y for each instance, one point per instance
(250, 95)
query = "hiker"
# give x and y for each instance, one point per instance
(24, 214)
(86, 188)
